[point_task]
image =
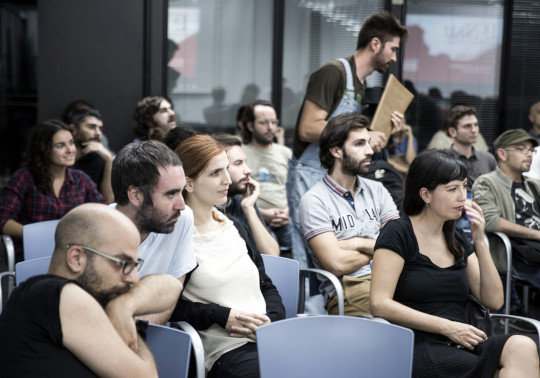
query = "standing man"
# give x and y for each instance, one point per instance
(462, 126)
(147, 180)
(78, 320)
(342, 215)
(153, 117)
(242, 195)
(270, 162)
(510, 203)
(339, 87)
(92, 157)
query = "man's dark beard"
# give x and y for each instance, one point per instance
(90, 281)
(235, 188)
(350, 166)
(150, 219)
(259, 138)
(380, 65)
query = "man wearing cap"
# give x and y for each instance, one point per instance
(510, 201)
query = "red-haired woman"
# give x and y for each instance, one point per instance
(229, 294)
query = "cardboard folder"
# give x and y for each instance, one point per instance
(394, 98)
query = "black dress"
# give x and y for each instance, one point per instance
(442, 292)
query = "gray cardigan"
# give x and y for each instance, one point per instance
(493, 192)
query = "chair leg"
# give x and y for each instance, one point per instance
(526, 299)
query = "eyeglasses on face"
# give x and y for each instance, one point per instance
(265, 122)
(523, 150)
(127, 266)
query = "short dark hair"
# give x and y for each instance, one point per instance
(227, 141)
(248, 115)
(455, 113)
(137, 165)
(177, 135)
(77, 116)
(430, 169)
(336, 133)
(383, 25)
(143, 115)
(72, 106)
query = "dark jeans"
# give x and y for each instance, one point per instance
(530, 273)
(242, 362)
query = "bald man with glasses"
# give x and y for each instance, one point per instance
(78, 319)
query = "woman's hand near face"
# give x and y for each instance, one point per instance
(478, 223)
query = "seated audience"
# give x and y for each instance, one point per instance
(243, 194)
(47, 187)
(442, 140)
(510, 201)
(229, 295)
(147, 180)
(342, 215)
(270, 163)
(153, 117)
(92, 157)
(77, 320)
(424, 269)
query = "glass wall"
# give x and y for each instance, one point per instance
(453, 56)
(220, 56)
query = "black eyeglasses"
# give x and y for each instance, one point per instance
(127, 266)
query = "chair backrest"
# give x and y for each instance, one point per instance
(30, 268)
(171, 349)
(38, 239)
(334, 346)
(285, 276)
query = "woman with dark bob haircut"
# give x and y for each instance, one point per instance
(46, 188)
(424, 268)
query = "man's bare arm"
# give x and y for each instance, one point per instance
(164, 316)
(152, 294)
(514, 230)
(312, 122)
(364, 245)
(90, 336)
(334, 257)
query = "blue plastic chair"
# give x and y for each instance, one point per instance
(38, 239)
(334, 346)
(285, 276)
(23, 271)
(171, 349)
(30, 268)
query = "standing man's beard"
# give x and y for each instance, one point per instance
(380, 65)
(91, 281)
(353, 167)
(150, 219)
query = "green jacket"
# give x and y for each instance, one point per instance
(493, 192)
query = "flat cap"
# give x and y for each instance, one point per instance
(511, 137)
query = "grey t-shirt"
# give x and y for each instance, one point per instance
(328, 207)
